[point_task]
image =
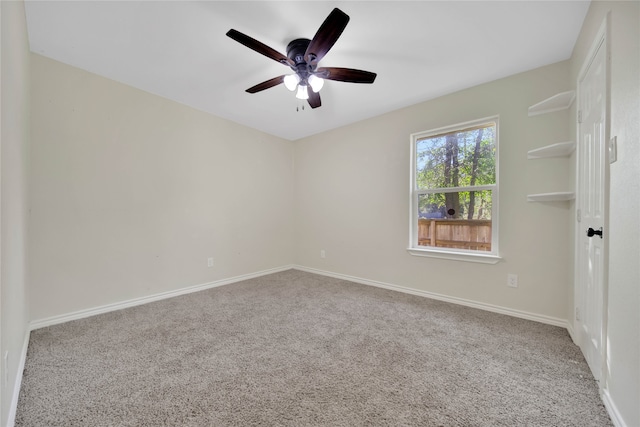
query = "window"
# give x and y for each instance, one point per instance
(454, 192)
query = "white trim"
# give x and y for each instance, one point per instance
(54, 320)
(484, 258)
(13, 408)
(491, 257)
(571, 332)
(614, 414)
(601, 40)
(454, 300)
(491, 187)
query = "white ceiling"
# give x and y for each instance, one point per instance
(419, 49)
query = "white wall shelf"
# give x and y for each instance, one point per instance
(560, 149)
(552, 197)
(560, 101)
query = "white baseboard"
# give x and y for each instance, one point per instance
(18, 381)
(614, 414)
(455, 300)
(54, 320)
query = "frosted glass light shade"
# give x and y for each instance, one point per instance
(316, 83)
(302, 92)
(291, 81)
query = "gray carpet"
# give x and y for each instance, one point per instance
(297, 349)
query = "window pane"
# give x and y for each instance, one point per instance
(457, 159)
(444, 220)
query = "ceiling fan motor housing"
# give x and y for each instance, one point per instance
(296, 50)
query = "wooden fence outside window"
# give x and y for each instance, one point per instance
(472, 234)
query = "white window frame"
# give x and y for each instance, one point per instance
(486, 257)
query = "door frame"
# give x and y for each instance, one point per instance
(601, 40)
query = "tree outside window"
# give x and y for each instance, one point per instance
(455, 187)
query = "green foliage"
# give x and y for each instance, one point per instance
(458, 159)
(433, 205)
(432, 158)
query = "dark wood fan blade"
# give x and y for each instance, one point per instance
(326, 36)
(266, 85)
(314, 99)
(346, 75)
(259, 47)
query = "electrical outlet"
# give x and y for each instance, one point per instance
(512, 280)
(323, 254)
(209, 262)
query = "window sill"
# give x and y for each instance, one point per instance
(456, 256)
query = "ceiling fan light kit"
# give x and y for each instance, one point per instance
(303, 56)
(302, 93)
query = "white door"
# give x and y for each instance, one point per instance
(591, 204)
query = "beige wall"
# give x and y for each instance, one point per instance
(622, 379)
(131, 193)
(352, 199)
(13, 196)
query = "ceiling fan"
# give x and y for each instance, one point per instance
(303, 56)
